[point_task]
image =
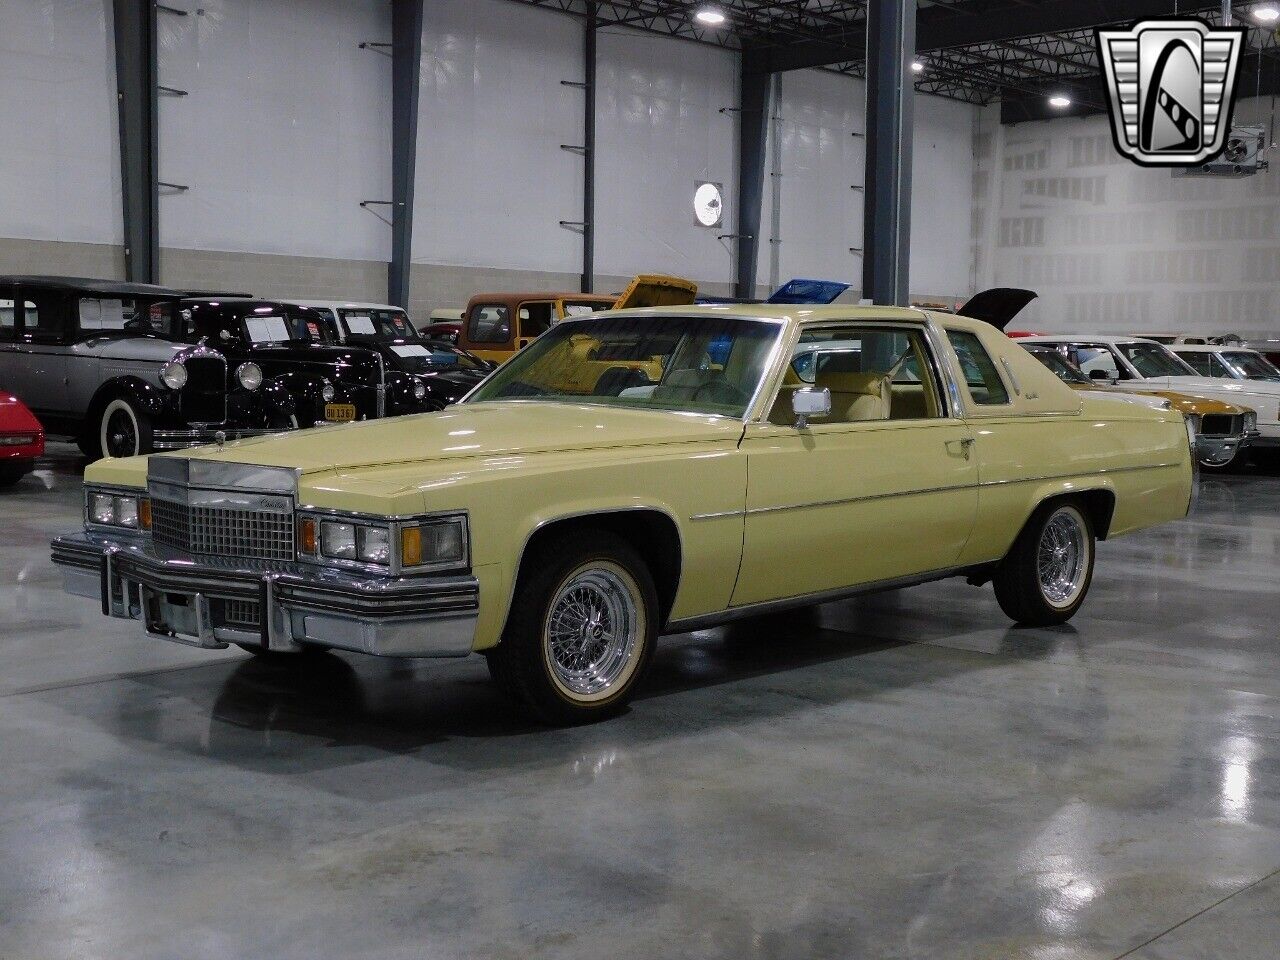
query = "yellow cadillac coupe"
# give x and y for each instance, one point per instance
(635, 473)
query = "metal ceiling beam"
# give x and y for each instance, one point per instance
(980, 21)
(137, 101)
(406, 67)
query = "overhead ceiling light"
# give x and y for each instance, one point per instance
(1059, 101)
(1266, 14)
(917, 66)
(709, 16)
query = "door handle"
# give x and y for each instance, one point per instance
(964, 446)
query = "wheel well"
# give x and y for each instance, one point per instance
(1099, 504)
(651, 532)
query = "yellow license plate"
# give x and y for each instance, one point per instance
(340, 412)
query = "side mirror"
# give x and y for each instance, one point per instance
(1097, 374)
(810, 402)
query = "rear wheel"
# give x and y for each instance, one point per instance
(581, 630)
(1044, 579)
(123, 430)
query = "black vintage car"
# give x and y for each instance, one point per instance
(103, 361)
(329, 383)
(448, 371)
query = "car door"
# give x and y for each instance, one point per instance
(10, 361)
(883, 489)
(42, 346)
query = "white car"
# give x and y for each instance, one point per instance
(1224, 362)
(1142, 365)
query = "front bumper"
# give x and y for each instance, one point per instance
(205, 603)
(182, 439)
(1221, 448)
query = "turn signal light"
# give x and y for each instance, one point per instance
(144, 514)
(307, 536)
(410, 546)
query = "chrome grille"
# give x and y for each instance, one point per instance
(223, 532)
(239, 613)
(1220, 425)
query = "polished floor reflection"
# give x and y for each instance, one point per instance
(903, 776)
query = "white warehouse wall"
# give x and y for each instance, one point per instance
(60, 174)
(820, 212)
(659, 131)
(286, 129)
(1113, 247)
(492, 183)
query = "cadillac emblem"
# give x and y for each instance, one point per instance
(1171, 88)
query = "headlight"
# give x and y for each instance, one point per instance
(18, 440)
(419, 389)
(174, 375)
(250, 375)
(1250, 421)
(327, 393)
(338, 540)
(424, 544)
(118, 510)
(434, 543)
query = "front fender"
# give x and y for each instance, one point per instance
(151, 399)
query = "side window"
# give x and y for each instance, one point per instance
(873, 373)
(1096, 357)
(489, 323)
(1199, 361)
(8, 321)
(980, 374)
(1217, 368)
(535, 318)
(40, 321)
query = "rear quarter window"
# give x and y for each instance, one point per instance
(980, 374)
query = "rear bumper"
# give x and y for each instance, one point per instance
(203, 603)
(182, 439)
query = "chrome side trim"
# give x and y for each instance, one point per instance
(1071, 476)
(718, 516)
(806, 600)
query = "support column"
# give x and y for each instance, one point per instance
(137, 94)
(891, 44)
(753, 127)
(406, 68)
(589, 151)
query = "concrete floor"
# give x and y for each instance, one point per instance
(898, 777)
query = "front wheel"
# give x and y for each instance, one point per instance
(581, 631)
(1238, 458)
(1044, 578)
(123, 430)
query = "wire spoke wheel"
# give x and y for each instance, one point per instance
(592, 631)
(1062, 558)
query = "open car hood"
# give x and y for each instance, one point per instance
(997, 306)
(657, 290)
(808, 291)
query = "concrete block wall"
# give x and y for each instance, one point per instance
(21, 255)
(271, 275)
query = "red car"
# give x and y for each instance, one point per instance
(21, 440)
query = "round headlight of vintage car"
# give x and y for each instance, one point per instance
(250, 375)
(327, 393)
(419, 389)
(174, 375)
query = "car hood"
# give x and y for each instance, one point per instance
(497, 429)
(130, 348)
(1185, 402)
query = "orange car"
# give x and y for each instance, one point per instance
(496, 325)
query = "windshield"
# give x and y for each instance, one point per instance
(278, 328)
(1062, 369)
(702, 364)
(1251, 366)
(1153, 360)
(382, 326)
